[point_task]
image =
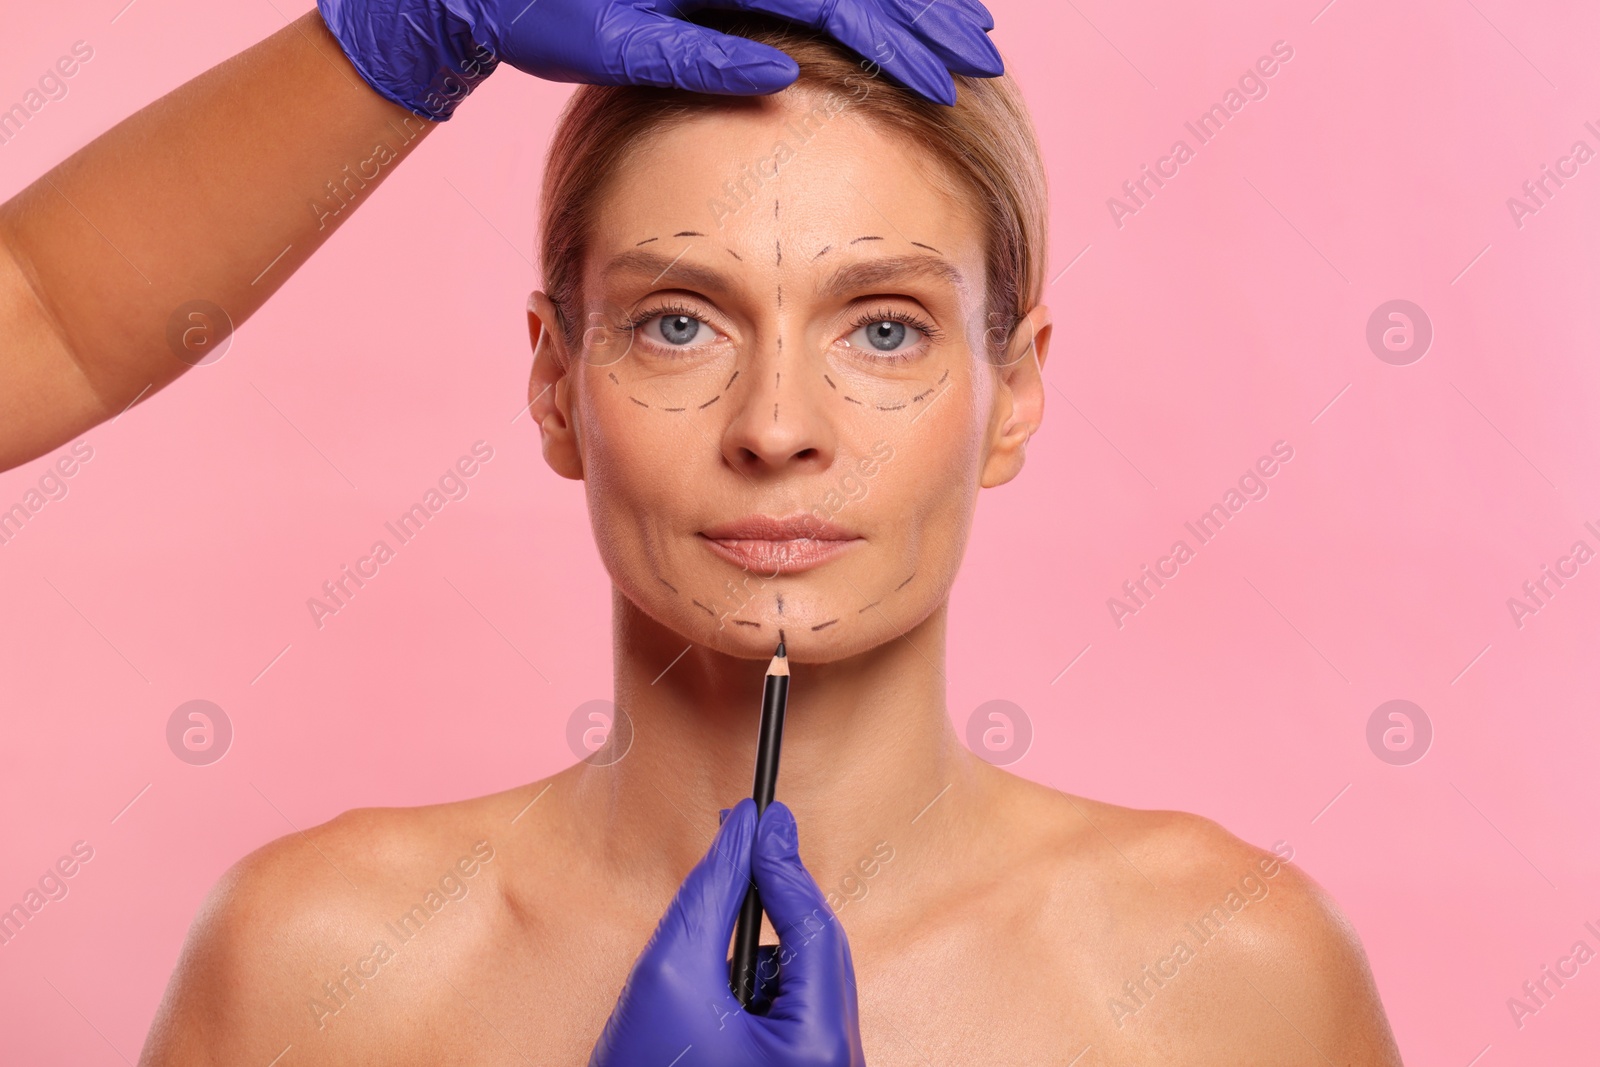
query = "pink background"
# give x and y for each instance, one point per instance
(1225, 315)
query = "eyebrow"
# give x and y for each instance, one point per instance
(867, 274)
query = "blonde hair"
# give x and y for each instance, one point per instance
(985, 142)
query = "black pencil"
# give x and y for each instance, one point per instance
(747, 935)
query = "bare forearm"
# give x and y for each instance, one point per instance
(216, 192)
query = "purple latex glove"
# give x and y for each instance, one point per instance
(427, 55)
(677, 1006)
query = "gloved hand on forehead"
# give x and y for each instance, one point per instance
(427, 55)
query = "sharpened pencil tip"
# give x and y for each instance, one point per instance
(781, 654)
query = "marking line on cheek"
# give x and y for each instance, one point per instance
(901, 632)
(689, 233)
(852, 399)
(869, 607)
(746, 622)
(636, 400)
(822, 253)
(932, 402)
(666, 583)
(725, 388)
(829, 381)
(823, 625)
(702, 607)
(905, 583)
(713, 400)
(734, 254)
(613, 378)
(780, 606)
(896, 407)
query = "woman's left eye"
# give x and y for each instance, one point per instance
(679, 330)
(888, 336)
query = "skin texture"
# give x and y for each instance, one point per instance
(1007, 915)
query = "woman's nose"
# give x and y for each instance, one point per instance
(779, 422)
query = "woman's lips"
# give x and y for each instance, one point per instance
(773, 545)
(772, 557)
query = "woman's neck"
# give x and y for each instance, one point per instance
(868, 754)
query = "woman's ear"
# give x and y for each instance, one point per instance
(1019, 397)
(550, 389)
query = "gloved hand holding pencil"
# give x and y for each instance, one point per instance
(677, 1000)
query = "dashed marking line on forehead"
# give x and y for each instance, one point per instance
(819, 255)
(646, 241)
(689, 233)
(858, 240)
(930, 248)
(868, 274)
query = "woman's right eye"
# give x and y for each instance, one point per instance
(679, 330)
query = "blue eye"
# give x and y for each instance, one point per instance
(679, 330)
(885, 335)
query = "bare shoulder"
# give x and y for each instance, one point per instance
(1196, 936)
(317, 940)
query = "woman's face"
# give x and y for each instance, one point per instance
(781, 402)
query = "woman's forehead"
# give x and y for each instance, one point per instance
(803, 169)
